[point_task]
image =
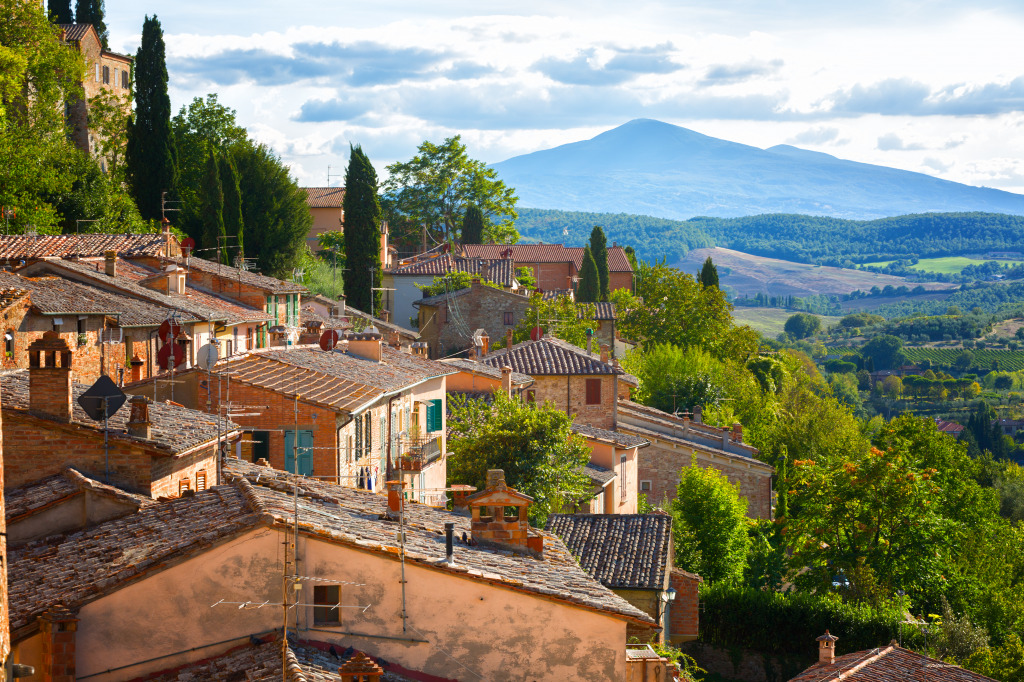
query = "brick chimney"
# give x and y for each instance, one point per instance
(394, 498)
(491, 524)
(58, 626)
(137, 364)
(165, 225)
(110, 263)
(737, 432)
(605, 353)
(360, 668)
(506, 380)
(367, 345)
(508, 338)
(485, 345)
(698, 414)
(826, 649)
(49, 377)
(139, 424)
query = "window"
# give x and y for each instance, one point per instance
(184, 485)
(435, 416)
(124, 79)
(645, 486)
(508, 319)
(348, 454)
(623, 478)
(97, 73)
(414, 421)
(359, 438)
(9, 343)
(201, 480)
(367, 434)
(326, 605)
(106, 75)
(260, 445)
(593, 391)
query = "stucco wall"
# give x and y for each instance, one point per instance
(71, 513)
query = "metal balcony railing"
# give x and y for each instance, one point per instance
(418, 452)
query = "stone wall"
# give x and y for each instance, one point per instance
(569, 394)
(483, 307)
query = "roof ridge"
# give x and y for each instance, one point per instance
(253, 500)
(293, 669)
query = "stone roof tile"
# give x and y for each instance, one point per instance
(620, 550)
(622, 440)
(888, 664)
(31, 497)
(325, 197)
(550, 356)
(253, 279)
(22, 247)
(486, 370)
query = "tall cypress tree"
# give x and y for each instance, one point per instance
(599, 249)
(362, 233)
(709, 274)
(151, 157)
(60, 11)
(211, 205)
(473, 225)
(589, 290)
(232, 207)
(91, 12)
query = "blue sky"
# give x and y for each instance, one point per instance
(933, 86)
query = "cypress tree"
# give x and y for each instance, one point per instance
(60, 11)
(590, 284)
(232, 213)
(709, 274)
(211, 205)
(599, 250)
(91, 12)
(473, 225)
(362, 233)
(151, 157)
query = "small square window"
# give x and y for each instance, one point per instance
(645, 486)
(326, 605)
(508, 319)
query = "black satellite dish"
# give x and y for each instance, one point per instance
(102, 399)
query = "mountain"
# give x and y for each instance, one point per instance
(654, 168)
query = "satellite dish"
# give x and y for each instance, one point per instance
(188, 243)
(102, 399)
(536, 334)
(165, 353)
(168, 331)
(329, 339)
(207, 356)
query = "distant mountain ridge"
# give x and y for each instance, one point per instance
(653, 168)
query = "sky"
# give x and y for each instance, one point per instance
(933, 86)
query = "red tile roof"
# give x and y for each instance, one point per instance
(324, 197)
(550, 356)
(523, 254)
(888, 664)
(21, 247)
(253, 279)
(74, 32)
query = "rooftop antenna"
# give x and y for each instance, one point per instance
(329, 175)
(165, 208)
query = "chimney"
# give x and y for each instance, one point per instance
(590, 340)
(460, 497)
(165, 226)
(49, 377)
(110, 263)
(394, 498)
(58, 626)
(604, 353)
(359, 668)
(472, 353)
(484, 270)
(737, 432)
(137, 364)
(698, 414)
(490, 524)
(506, 380)
(367, 345)
(449, 551)
(826, 649)
(420, 348)
(485, 345)
(139, 424)
(508, 338)
(385, 314)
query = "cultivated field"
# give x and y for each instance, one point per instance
(749, 275)
(769, 322)
(949, 264)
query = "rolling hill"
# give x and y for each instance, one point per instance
(657, 169)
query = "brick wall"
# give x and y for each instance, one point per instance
(78, 113)
(661, 462)
(483, 308)
(169, 472)
(684, 611)
(569, 394)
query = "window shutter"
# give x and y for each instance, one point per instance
(593, 391)
(359, 438)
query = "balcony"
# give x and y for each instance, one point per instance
(418, 453)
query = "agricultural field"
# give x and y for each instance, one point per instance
(949, 265)
(1011, 361)
(769, 322)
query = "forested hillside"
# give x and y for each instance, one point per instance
(801, 238)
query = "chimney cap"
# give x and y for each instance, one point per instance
(826, 637)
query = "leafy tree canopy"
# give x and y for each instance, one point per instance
(886, 351)
(709, 274)
(802, 325)
(709, 525)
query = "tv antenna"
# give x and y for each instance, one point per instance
(329, 175)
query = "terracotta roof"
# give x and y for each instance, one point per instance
(9, 295)
(546, 253)
(74, 32)
(253, 279)
(32, 497)
(21, 247)
(306, 663)
(602, 310)
(175, 429)
(381, 324)
(350, 515)
(628, 551)
(474, 367)
(622, 440)
(550, 356)
(336, 379)
(499, 270)
(324, 197)
(888, 664)
(598, 474)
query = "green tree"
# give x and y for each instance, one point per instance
(534, 445)
(151, 152)
(60, 11)
(434, 188)
(589, 290)
(274, 210)
(524, 276)
(709, 525)
(452, 281)
(362, 232)
(211, 202)
(38, 75)
(560, 317)
(709, 274)
(674, 378)
(885, 351)
(233, 226)
(802, 325)
(91, 12)
(473, 225)
(599, 250)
